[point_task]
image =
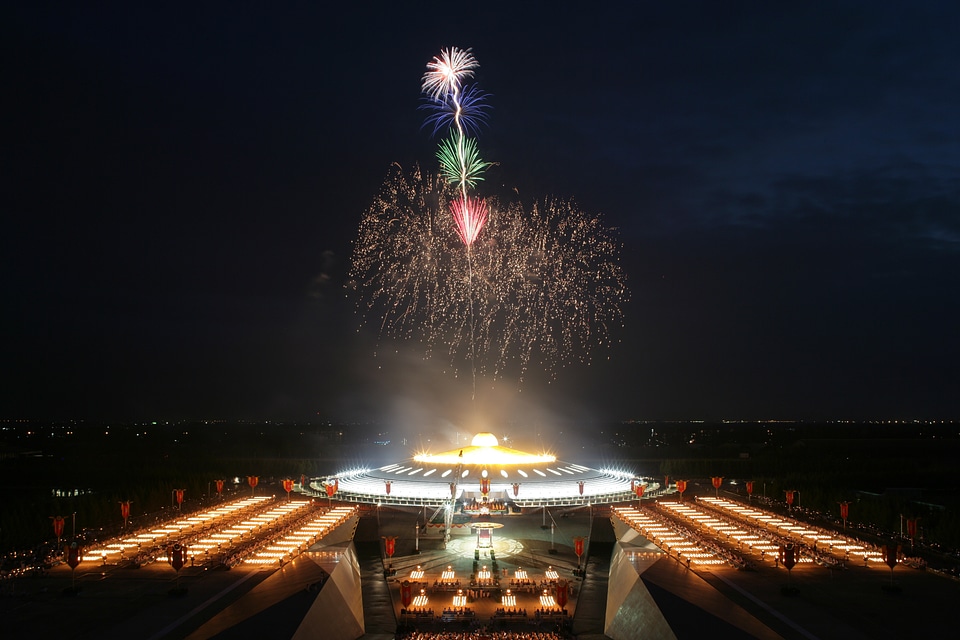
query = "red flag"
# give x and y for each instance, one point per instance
(176, 556)
(581, 487)
(219, 484)
(516, 489)
(453, 490)
(303, 480)
(253, 481)
(125, 509)
(387, 482)
(717, 481)
(484, 486)
(406, 593)
(844, 510)
(390, 543)
(74, 555)
(911, 528)
(331, 488)
(639, 489)
(788, 557)
(790, 497)
(560, 593)
(288, 485)
(891, 552)
(179, 495)
(578, 545)
(749, 487)
(57, 526)
(681, 486)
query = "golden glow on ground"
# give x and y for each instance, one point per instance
(485, 450)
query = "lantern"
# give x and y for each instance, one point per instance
(387, 483)
(581, 487)
(790, 497)
(219, 484)
(390, 545)
(516, 489)
(560, 593)
(176, 556)
(406, 593)
(57, 526)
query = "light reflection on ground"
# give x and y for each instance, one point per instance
(502, 547)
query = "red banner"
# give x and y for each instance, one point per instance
(453, 490)
(790, 497)
(74, 555)
(911, 528)
(288, 486)
(717, 481)
(57, 526)
(178, 493)
(125, 509)
(666, 482)
(303, 480)
(516, 489)
(331, 488)
(578, 545)
(390, 544)
(253, 481)
(406, 593)
(560, 593)
(891, 553)
(639, 489)
(176, 556)
(844, 510)
(681, 486)
(484, 486)
(219, 484)
(788, 557)
(749, 487)
(387, 482)
(581, 487)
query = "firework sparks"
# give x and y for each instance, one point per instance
(446, 72)
(544, 283)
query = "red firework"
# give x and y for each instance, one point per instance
(469, 214)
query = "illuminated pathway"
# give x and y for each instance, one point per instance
(668, 536)
(822, 540)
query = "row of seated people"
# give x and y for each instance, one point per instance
(510, 612)
(481, 634)
(549, 613)
(458, 612)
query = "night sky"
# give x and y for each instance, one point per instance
(181, 187)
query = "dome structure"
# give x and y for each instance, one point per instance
(483, 470)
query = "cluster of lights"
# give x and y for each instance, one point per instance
(824, 540)
(460, 600)
(190, 525)
(666, 536)
(722, 527)
(448, 575)
(293, 543)
(547, 601)
(508, 599)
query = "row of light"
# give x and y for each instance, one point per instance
(290, 544)
(227, 535)
(724, 527)
(664, 535)
(174, 528)
(822, 538)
